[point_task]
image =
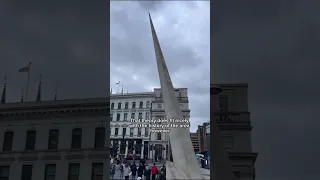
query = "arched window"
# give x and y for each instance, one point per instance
(76, 138)
(100, 134)
(31, 140)
(53, 139)
(8, 141)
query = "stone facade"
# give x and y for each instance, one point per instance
(28, 147)
(232, 114)
(126, 108)
(141, 141)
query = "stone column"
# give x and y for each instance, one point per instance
(142, 149)
(134, 147)
(126, 153)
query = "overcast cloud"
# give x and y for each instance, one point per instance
(183, 30)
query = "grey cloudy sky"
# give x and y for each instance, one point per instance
(274, 46)
(66, 41)
(183, 30)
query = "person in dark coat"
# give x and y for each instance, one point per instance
(140, 170)
(147, 173)
(134, 171)
(163, 173)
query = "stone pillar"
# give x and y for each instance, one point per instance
(164, 155)
(142, 149)
(134, 148)
(119, 150)
(126, 153)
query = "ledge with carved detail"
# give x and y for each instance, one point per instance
(70, 154)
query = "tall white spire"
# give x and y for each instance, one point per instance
(182, 149)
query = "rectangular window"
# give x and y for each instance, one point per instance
(53, 139)
(50, 172)
(159, 106)
(76, 138)
(126, 106)
(31, 140)
(119, 105)
(140, 115)
(112, 105)
(97, 171)
(146, 132)
(8, 141)
(125, 116)
(139, 131)
(148, 104)
(227, 142)
(147, 115)
(116, 130)
(133, 105)
(223, 103)
(100, 135)
(74, 170)
(111, 117)
(133, 115)
(26, 173)
(131, 131)
(4, 172)
(141, 105)
(159, 136)
(124, 131)
(118, 117)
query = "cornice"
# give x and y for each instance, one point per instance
(60, 108)
(132, 96)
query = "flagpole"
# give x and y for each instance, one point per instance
(28, 81)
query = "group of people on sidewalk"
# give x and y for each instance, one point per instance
(138, 172)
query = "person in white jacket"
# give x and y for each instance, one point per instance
(126, 171)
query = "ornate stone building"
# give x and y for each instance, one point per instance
(160, 141)
(140, 141)
(232, 114)
(127, 138)
(56, 139)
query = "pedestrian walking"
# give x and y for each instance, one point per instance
(121, 171)
(134, 169)
(147, 173)
(112, 171)
(140, 170)
(154, 171)
(126, 171)
(163, 173)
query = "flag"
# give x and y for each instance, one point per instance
(25, 69)
(118, 82)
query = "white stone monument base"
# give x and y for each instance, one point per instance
(173, 173)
